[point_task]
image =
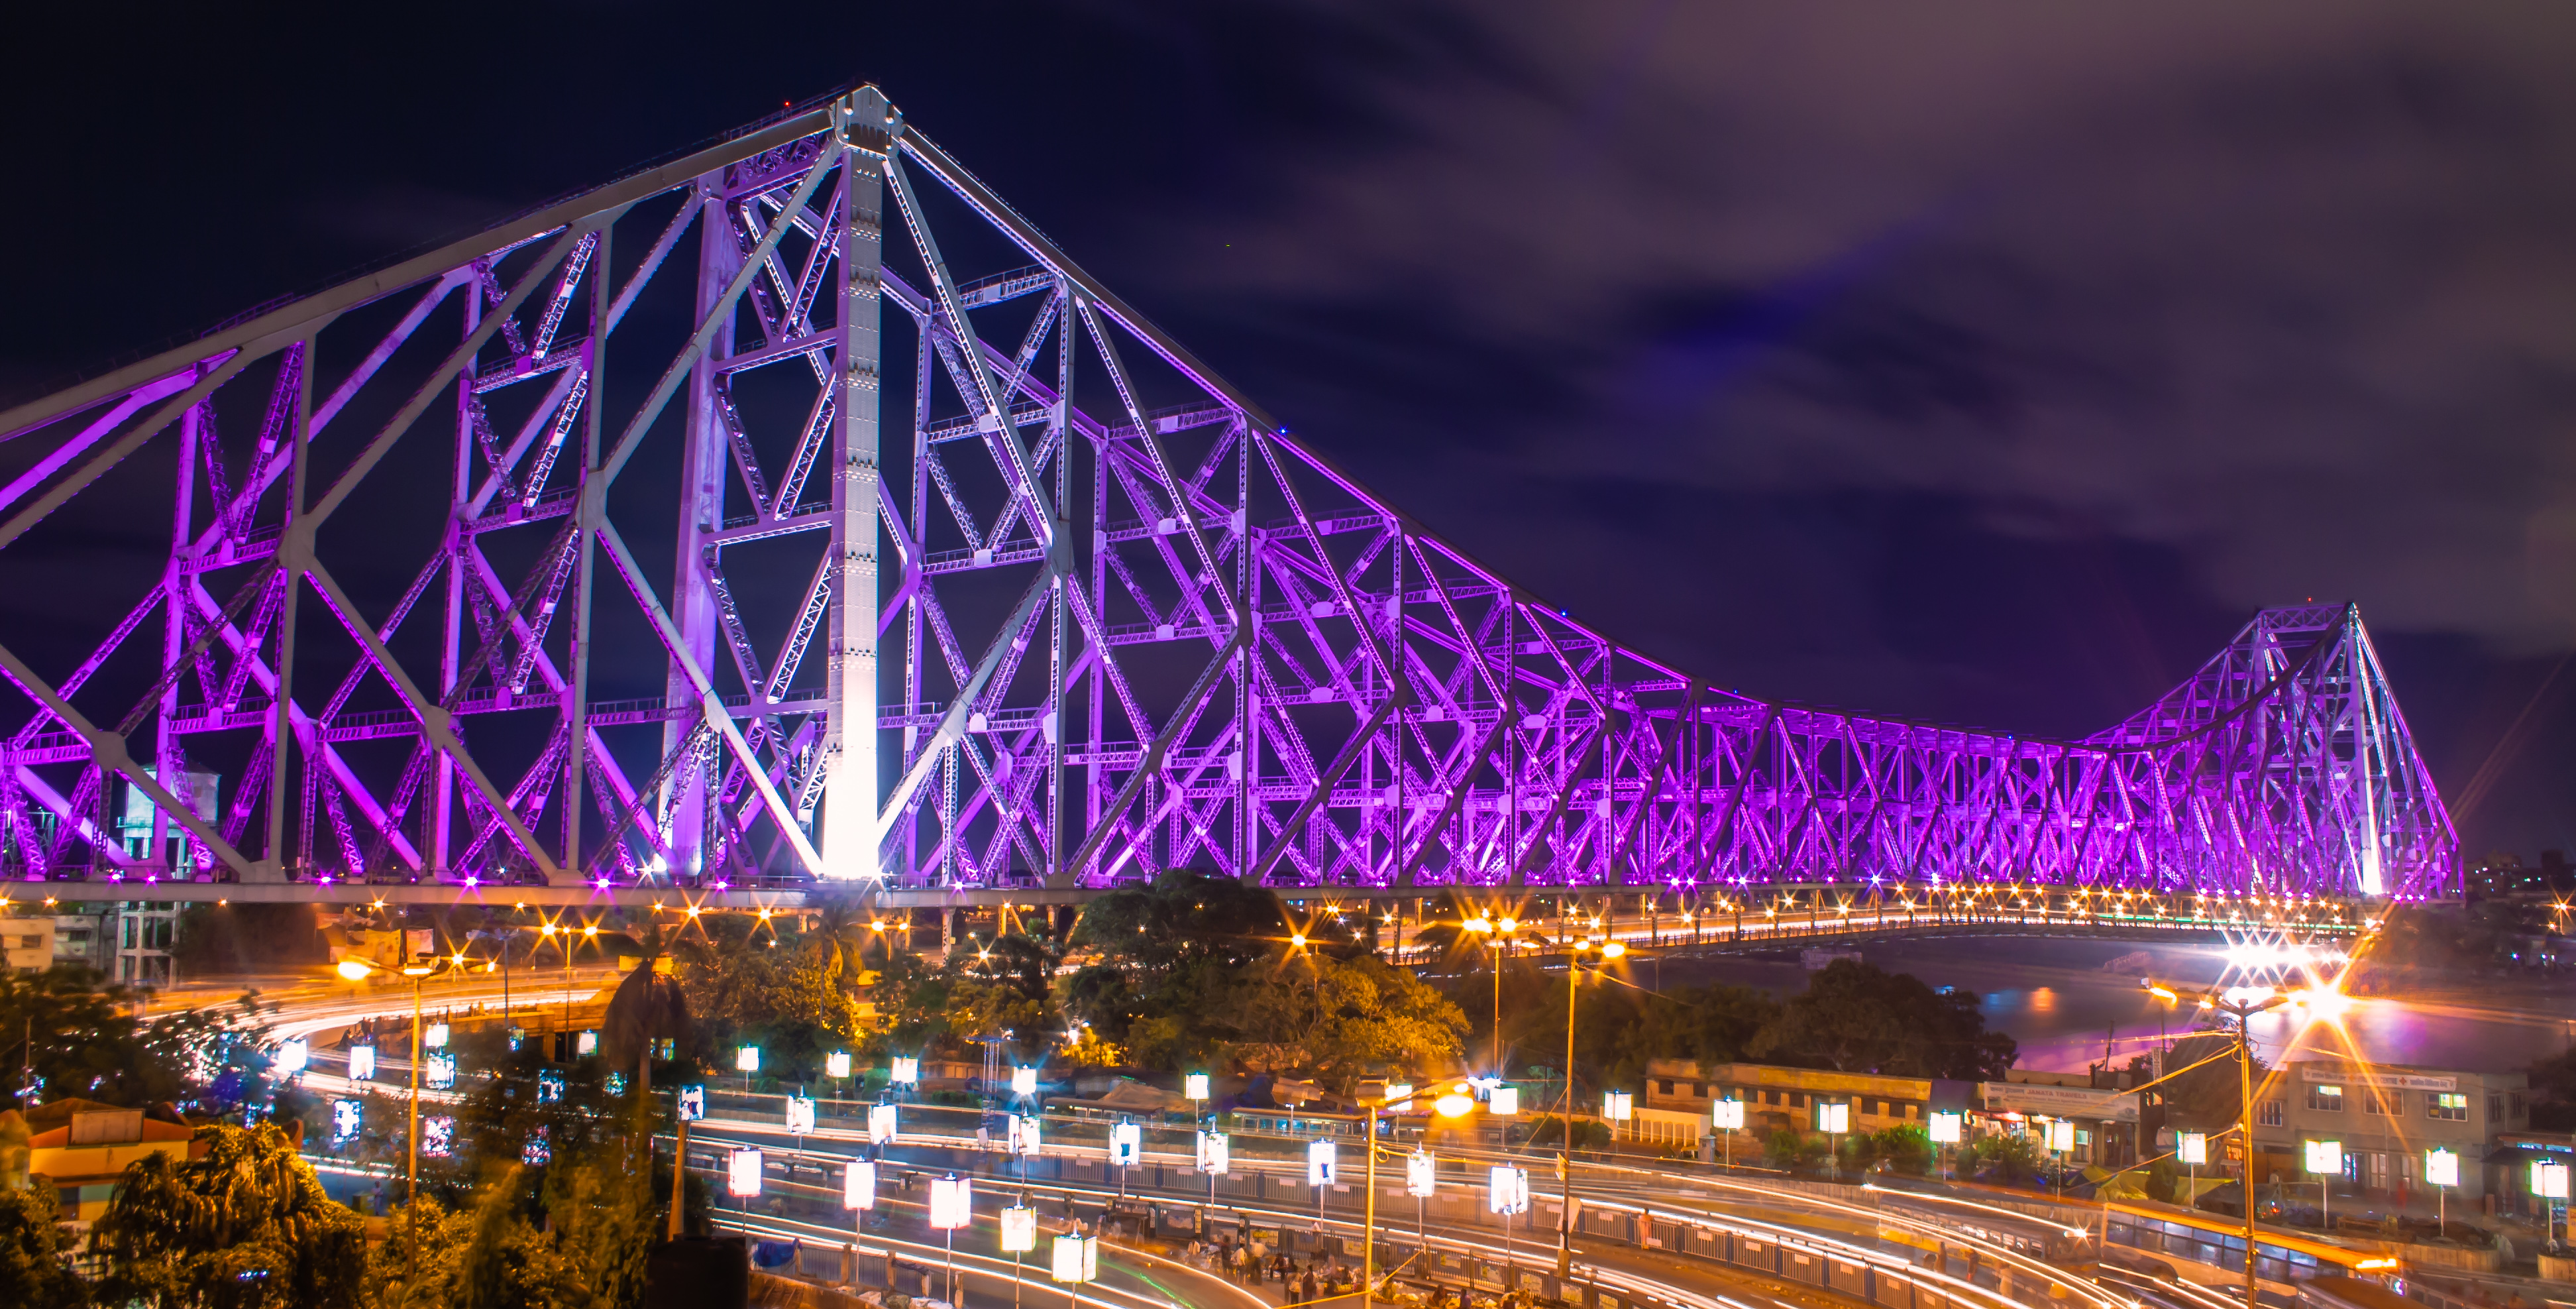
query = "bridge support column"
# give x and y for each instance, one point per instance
(851, 784)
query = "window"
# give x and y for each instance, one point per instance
(2385, 1103)
(2447, 1105)
(2326, 1099)
(1700, 1089)
(1668, 1088)
(2495, 1106)
(2267, 1114)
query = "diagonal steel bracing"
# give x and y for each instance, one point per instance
(1071, 626)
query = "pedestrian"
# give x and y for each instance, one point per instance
(1308, 1285)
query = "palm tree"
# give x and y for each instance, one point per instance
(841, 933)
(647, 1008)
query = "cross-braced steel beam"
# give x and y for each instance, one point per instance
(1078, 613)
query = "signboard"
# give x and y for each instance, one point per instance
(434, 1036)
(1728, 1115)
(1947, 1126)
(437, 1136)
(439, 1073)
(2324, 1157)
(1194, 1086)
(859, 1186)
(2192, 1148)
(2441, 1168)
(537, 1151)
(907, 1072)
(837, 1064)
(1024, 1138)
(2061, 1102)
(880, 1124)
(587, 1043)
(1833, 1118)
(693, 1103)
(742, 1173)
(1421, 1174)
(800, 1115)
(344, 1122)
(1077, 1259)
(1617, 1107)
(1019, 1229)
(2338, 1074)
(747, 1059)
(2548, 1180)
(293, 1055)
(1024, 1081)
(362, 1062)
(550, 1087)
(2061, 1135)
(1507, 1190)
(1319, 1163)
(952, 1202)
(1504, 1101)
(1213, 1153)
(1126, 1144)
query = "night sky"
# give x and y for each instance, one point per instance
(1984, 363)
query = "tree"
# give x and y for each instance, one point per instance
(244, 1226)
(2209, 1097)
(35, 1268)
(1007, 986)
(1856, 1018)
(86, 1042)
(648, 1007)
(414, 1267)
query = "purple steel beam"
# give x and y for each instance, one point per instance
(1306, 688)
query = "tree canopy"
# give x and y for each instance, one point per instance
(1857, 1018)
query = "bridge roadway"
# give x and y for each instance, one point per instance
(1765, 918)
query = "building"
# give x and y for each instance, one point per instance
(27, 944)
(2383, 1117)
(1777, 1098)
(2103, 1120)
(83, 1147)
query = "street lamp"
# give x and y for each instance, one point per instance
(1374, 1097)
(2241, 1002)
(356, 969)
(1565, 1140)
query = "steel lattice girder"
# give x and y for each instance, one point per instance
(1119, 619)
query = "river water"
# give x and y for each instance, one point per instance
(2068, 1001)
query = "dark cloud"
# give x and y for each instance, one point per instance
(2283, 291)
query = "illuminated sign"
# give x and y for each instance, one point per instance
(1194, 1086)
(2441, 1168)
(952, 1202)
(2325, 1156)
(293, 1055)
(438, 1136)
(344, 1121)
(1024, 1135)
(1728, 1115)
(1319, 1163)
(1834, 1118)
(859, 1185)
(800, 1115)
(362, 1062)
(837, 1064)
(742, 1173)
(439, 1073)
(747, 1059)
(1019, 1229)
(1503, 1101)
(2192, 1148)
(907, 1072)
(1126, 1144)
(1507, 1190)
(1421, 1174)
(880, 1123)
(1024, 1081)
(1212, 1153)
(550, 1087)
(693, 1103)
(434, 1036)
(1947, 1126)
(1077, 1259)
(1617, 1106)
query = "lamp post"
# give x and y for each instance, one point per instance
(358, 970)
(1374, 1096)
(2242, 1003)
(1565, 1139)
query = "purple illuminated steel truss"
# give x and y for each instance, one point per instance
(1052, 604)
